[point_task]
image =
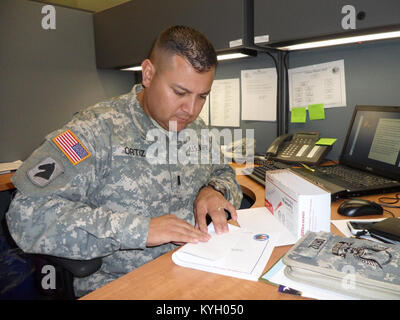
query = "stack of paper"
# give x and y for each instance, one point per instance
(240, 253)
(277, 276)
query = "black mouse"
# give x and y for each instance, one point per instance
(359, 207)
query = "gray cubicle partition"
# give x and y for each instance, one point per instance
(372, 78)
(372, 73)
(47, 75)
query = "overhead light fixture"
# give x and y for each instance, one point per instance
(235, 53)
(230, 56)
(226, 54)
(341, 41)
(135, 68)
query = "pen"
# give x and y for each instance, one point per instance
(307, 167)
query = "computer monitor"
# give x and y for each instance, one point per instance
(373, 141)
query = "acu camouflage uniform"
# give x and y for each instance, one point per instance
(102, 206)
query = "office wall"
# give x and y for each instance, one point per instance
(47, 75)
(264, 131)
(372, 78)
(372, 73)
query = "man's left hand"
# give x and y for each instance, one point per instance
(214, 203)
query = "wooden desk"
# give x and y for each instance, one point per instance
(161, 279)
(5, 182)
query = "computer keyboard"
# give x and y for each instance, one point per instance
(258, 173)
(355, 178)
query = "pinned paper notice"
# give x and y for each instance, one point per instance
(299, 115)
(316, 111)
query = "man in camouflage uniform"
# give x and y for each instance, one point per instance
(90, 190)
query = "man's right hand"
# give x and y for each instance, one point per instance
(169, 228)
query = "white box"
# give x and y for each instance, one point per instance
(297, 203)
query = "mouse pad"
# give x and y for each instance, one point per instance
(388, 228)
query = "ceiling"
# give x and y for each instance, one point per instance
(88, 5)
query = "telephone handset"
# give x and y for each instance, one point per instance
(298, 147)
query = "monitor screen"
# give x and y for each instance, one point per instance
(373, 141)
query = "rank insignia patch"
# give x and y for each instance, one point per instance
(71, 147)
(45, 172)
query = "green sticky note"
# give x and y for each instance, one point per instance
(299, 115)
(316, 111)
(326, 141)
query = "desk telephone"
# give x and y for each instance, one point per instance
(298, 147)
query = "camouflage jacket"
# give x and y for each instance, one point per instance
(98, 201)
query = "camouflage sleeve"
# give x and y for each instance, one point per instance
(55, 210)
(223, 175)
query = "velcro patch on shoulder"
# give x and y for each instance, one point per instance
(72, 148)
(45, 172)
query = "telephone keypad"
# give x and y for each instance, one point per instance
(294, 146)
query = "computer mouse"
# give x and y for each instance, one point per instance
(359, 207)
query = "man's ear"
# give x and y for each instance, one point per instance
(148, 71)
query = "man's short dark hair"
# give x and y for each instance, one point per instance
(189, 44)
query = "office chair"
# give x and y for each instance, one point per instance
(64, 270)
(46, 266)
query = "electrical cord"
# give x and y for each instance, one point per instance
(390, 202)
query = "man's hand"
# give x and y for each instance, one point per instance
(169, 228)
(214, 203)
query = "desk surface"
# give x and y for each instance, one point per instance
(161, 279)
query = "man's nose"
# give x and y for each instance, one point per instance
(189, 106)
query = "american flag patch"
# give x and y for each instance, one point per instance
(71, 147)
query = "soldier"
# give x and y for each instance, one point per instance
(90, 189)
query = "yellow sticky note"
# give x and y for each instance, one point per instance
(316, 111)
(299, 115)
(326, 141)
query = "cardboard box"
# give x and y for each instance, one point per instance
(297, 203)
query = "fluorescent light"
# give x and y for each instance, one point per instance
(136, 68)
(229, 56)
(347, 40)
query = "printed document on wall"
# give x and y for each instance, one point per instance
(318, 84)
(225, 103)
(204, 114)
(259, 94)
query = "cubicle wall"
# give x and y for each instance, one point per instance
(372, 74)
(264, 131)
(47, 75)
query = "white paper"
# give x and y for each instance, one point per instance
(321, 83)
(205, 112)
(216, 248)
(245, 259)
(278, 277)
(259, 89)
(260, 219)
(225, 103)
(8, 166)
